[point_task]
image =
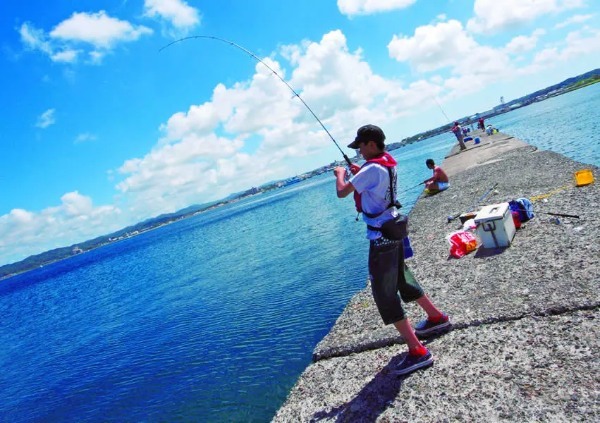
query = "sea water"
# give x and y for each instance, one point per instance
(213, 318)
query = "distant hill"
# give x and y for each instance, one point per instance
(38, 260)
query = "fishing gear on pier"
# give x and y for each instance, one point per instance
(254, 56)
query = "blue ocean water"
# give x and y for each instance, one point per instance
(213, 318)
(568, 124)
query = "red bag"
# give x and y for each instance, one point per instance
(462, 243)
(516, 219)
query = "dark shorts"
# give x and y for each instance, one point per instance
(386, 258)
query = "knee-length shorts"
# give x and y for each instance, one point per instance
(391, 279)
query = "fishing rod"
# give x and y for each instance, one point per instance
(444, 113)
(574, 216)
(254, 56)
(452, 217)
(408, 189)
(559, 214)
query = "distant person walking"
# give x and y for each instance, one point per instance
(439, 181)
(457, 130)
(375, 184)
(481, 124)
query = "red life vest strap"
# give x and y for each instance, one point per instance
(386, 160)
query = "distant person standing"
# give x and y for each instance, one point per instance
(457, 130)
(376, 182)
(481, 124)
(439, 181)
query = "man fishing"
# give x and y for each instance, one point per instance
(375, 187)
(458, 133)
(439, 181)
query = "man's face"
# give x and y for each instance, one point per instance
(364, 149)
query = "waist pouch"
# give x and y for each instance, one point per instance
(394, 229)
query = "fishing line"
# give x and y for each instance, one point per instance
(254, 56)
(440, 106)
(408, 189)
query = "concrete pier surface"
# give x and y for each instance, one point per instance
(525, 339)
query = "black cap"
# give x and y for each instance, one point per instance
(367, 133)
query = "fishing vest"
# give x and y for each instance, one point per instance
(387, 161)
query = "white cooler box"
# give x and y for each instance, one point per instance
(495, 225)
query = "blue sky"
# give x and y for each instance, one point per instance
(100, 130)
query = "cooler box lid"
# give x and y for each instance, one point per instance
(491, 212)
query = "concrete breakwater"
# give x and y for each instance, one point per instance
(525, 344)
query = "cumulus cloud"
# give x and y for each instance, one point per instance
(432, 46)
(367, 7)
(97, 29)
(255, 131)
(493, 16)
(582, 42)
(522, 43)
(76, 219)
(92, 34)
(46, 119)
(177, 13)
(446, 45)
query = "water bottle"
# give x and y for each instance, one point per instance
(408, 251)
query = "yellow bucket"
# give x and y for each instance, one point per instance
(583, 177)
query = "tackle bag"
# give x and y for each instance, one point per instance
(395, 229)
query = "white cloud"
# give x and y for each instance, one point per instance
(67, 56)
(583, 42)
(574, 20)
(46, 119)
(493, 16)
(178, 13)
(367, 7)
(97, 29)
(522, 43)
(192, 164)
(23, 232)
(94, 34)
(34, 39)
(432, 46)
(446, 45)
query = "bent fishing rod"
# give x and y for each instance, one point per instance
(255, 57)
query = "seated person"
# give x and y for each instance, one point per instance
(439, 181)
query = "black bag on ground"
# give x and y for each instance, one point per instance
(395, 229)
